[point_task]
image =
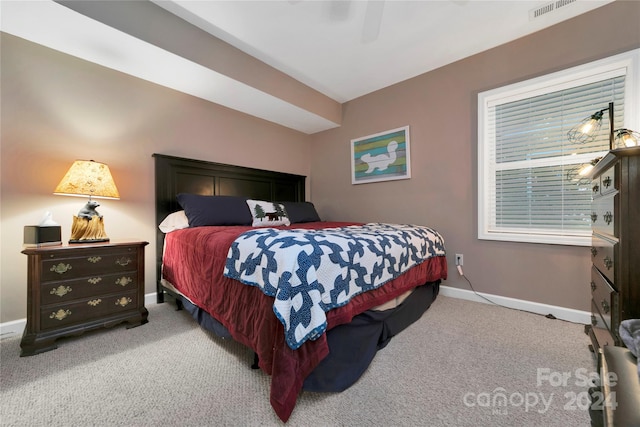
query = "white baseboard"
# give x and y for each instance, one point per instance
(568, 314)
(16, 327)
(12, 329)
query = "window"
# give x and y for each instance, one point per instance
(528, 187)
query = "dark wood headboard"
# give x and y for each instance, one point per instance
(174, 175)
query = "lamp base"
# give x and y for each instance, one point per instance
(72, 241)
(85, 230)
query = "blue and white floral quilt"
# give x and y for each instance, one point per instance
(310, 272)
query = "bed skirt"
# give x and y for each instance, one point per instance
(367, 333)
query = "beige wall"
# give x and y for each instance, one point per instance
(57, 108)
(441, 109)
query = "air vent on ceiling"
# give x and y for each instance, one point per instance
(548, 8)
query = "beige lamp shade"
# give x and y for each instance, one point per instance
(88, 178)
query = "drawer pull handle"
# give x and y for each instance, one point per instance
(94, 259)
(607, 181)
(608, 262)
(594, 217)
(124, 261)
(123, 302)
(593, 286)
(594, 251)
(94, 280)
(605, 306)
(60, 290)
(608, 218)
(60, 314)
(94, 302)
(596, 188)
(124, 281)
(60, 268)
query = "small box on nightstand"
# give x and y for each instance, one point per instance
(36, 236)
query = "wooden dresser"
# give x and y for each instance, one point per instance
(615, 284)
(615, 272)
(79, 287)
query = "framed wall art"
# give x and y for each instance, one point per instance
(383, 156)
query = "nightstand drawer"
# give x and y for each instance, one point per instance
(603, 255)
(604, 297)
(60, 315)
(56, 268)
(57, 292)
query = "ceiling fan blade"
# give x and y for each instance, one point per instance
(372, 20)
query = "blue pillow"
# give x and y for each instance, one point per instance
(301, 212)
(215, 210)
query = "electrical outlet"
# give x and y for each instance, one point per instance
(459, 259)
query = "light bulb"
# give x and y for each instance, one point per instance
(585, 169)
(629, 141)
(586, 128)
(626, 138)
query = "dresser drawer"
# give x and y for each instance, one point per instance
(56, 268)
(60, 315)
(604, 297)
(602, 215)
(58, 292)
(601, 329)
(608, 182)
(603, 255)
(595, 187)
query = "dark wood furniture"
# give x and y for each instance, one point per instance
(619, 401)
(615, 273)
(175, 175)
(615, 283)
(80, 287)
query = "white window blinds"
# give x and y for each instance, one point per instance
(529, 189)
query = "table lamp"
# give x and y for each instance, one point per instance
(93, 179)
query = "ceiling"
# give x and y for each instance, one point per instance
(324, 44)
(342, 49)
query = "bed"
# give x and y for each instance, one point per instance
(329, 357)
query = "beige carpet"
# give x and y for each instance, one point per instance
(450, 368)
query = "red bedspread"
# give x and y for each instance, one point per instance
(194, 260)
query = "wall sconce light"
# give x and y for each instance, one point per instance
(93, 179)
(588, 128)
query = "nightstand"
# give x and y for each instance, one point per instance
(76, 288)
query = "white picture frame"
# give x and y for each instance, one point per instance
(384, 156)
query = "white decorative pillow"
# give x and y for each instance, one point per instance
(175, 221)
(267, 214)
